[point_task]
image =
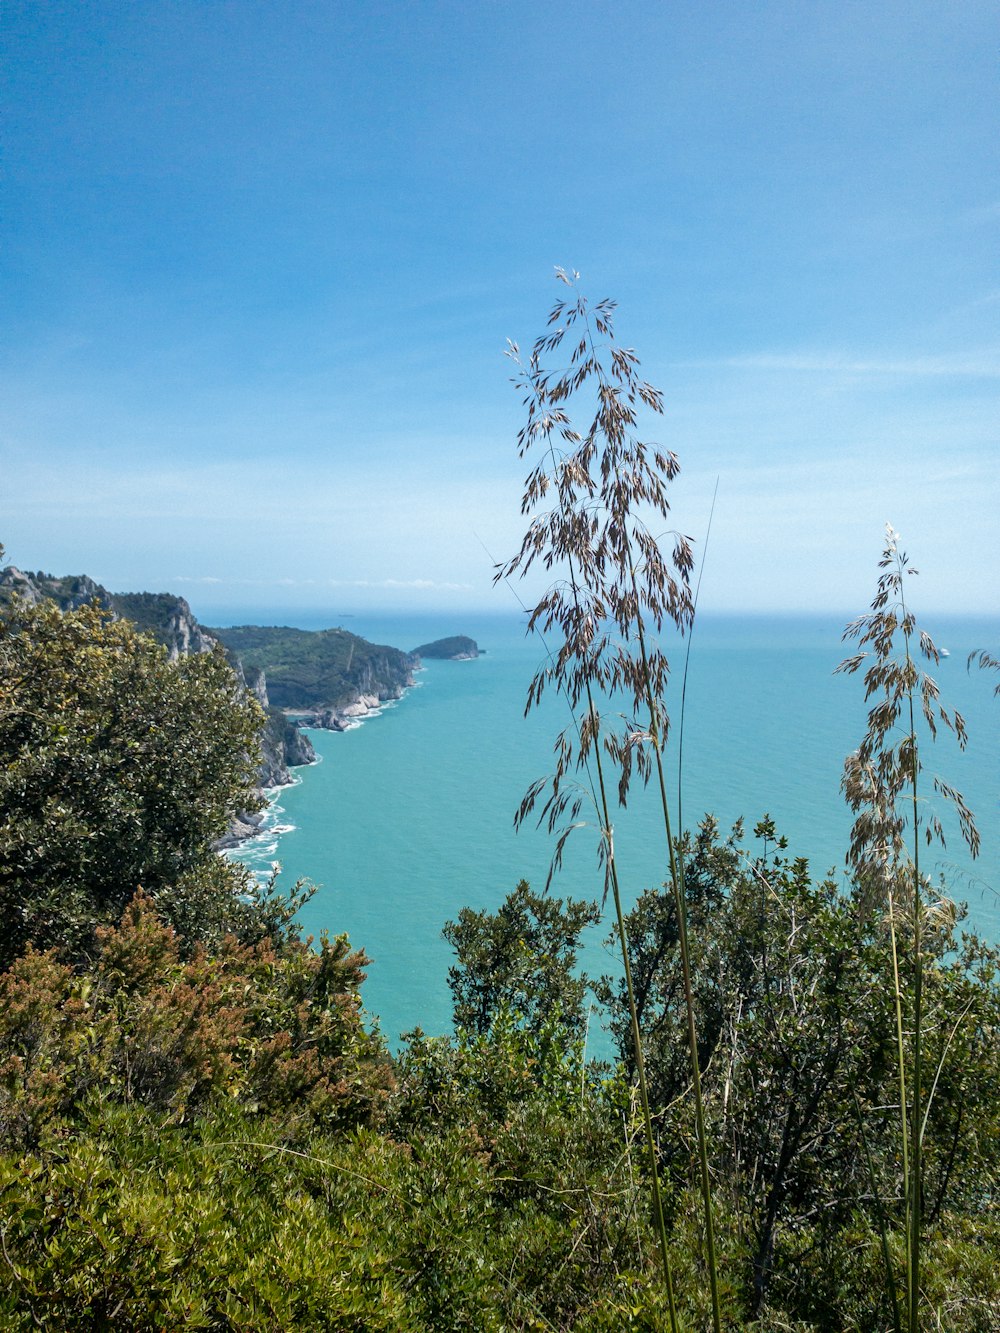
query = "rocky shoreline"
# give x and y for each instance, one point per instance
(346, 715)
(241, 830)
(250, 825)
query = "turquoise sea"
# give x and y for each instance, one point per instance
(409, 816)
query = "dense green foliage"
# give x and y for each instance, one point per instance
(146, 1025)
(317, 668)
(794, 993)
(117, 768)
(217, 1142)
(522, 958)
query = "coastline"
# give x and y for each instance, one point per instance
(345, 716)
(245, 828)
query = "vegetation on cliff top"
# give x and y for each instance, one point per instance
(169, 620)
(155, 613)
(317, 669)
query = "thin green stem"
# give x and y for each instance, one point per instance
(900, 1053)
(680, 901)
(916, 1130)
(640, 1064)
(883, 1227)
(640, 1067)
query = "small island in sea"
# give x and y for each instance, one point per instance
(456, 648)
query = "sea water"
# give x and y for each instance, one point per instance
(408, 817)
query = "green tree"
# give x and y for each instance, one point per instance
(117, 769)
(520, 958)
(796, 1017)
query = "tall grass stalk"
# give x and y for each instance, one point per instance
(680, 905)
(591, 717)
(915, 1191)
(881, 783)
(883, 1224)
(615, 586)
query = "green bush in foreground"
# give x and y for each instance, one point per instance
(215, 1142)
(263, 1027)
(117, 769)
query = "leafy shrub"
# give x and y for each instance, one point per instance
(117, 769)
(279, 1031)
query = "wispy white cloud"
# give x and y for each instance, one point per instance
(981, 364)
(421, 585)
(979, 303)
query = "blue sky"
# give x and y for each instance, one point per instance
(260, 260)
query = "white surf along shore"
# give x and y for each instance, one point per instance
(254, 839)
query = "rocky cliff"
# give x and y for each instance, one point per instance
(69, 592)
(282, 744)
(170, 621)
(168, 618)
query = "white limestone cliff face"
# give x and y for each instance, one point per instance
(184, 635)
(69, 593)
(364, 703)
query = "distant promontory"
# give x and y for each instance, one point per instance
(170, 621)
(326, 678)
(457, 648)
(301, 678)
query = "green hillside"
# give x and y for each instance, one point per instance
(311, 669)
